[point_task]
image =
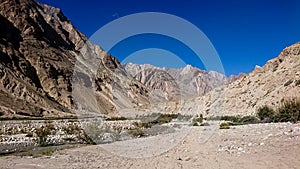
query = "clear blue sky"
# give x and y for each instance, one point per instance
(245, 33)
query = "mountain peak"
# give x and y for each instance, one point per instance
(189, 80)
(187, 69)
(257, 67)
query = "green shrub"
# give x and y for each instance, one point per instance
(266, 114)
(43, 132)
(198, 120)
(224, 126)
(289, 111)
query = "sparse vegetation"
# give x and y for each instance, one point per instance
(116, 118)
(142, 125)
(43, 151)
(71, 118)
(224, 126)
(72, 129)
(164, 118)
(157, 119)
(85, 138)
(289, 111)
(48, 152)
(241, 120)
(182, 117)
(97, 132)
(137, 132)
(236, 120)
(266, 114)
(197, 120)
(43, 132)
(248, 120)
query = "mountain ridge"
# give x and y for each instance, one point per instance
(39, 49)
(271, 85)
(191, 81)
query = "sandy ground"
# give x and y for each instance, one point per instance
(248, 146)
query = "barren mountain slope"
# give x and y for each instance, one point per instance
(271, 84)
(38, 48)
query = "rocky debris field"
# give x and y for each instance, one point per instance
(272, 145)
(23, 135)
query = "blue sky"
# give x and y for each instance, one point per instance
(245, 33)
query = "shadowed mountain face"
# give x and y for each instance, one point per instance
(38, 50)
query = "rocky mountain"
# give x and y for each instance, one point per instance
(49, 69)
(184, 82)
(272, 84)
(39, 48)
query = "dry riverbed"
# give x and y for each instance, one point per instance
(247, 146)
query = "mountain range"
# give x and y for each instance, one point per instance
(189, 81)
(50, 69)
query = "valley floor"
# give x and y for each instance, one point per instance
(247, 146)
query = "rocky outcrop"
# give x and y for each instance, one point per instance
(39, 48)
(277, 81)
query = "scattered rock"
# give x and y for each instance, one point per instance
(187, 158)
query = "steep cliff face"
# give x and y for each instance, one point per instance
(39, 48)
(185, 82)
(276, 81)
